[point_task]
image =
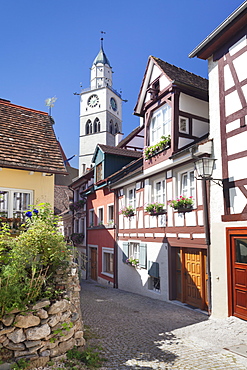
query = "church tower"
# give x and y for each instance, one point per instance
(100, 111)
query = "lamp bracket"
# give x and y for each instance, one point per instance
(216, 181)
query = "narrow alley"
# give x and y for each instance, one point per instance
(137, 332)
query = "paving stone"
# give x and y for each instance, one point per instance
(138, 332)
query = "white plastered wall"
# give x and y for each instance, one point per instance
(218, 249)
(136, 280)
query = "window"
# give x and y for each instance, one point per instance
(99, 172)
(131, 197)
(110, 214)
(188, 184)
(116, 129)
(154, 278)
(160, 124)
(158, 193)
(100, 216)
(137, 251)
(89, 129)
(111, 126)
(91, 217)
(14, 203)
(108, 261)
(184, 125)
(96, 125)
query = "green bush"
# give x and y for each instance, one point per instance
(28, 262)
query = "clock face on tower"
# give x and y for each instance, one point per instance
(113, 104)
(93, 100)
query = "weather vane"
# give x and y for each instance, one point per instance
(102, 38)
(50, 103)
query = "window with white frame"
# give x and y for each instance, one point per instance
(100, 216)
(131, 197)
(187, 184)
(134, 250)
(184, 125)
(108, 261)
(160, 124)
(110, 214)
(159, 191)
(91, 217)
(14, 203)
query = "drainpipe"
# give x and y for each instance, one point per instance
(207, 235)
(116, 208)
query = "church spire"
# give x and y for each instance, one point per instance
(101, 57)
(101, 71)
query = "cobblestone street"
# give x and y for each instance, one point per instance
(137, 332)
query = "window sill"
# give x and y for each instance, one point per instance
(107, 274)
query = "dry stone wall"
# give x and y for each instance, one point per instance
(48, 329)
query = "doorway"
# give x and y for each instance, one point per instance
(190, 270)
(237, 272)
(93, 264)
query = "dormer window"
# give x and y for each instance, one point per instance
(160, 124)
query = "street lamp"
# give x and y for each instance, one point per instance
(204, 167)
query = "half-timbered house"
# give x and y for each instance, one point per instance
(226, 51)
(96, 220)
(162, 251)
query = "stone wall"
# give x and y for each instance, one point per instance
(46, 330)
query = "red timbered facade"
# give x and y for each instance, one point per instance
(226, 52)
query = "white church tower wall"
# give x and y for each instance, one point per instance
(100, 111)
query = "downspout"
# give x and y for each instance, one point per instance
(116, 212)
(207, 237)
(86, 236)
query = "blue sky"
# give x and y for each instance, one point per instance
(48, 47)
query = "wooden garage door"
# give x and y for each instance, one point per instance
(194, 282)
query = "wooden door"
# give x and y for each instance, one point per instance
(239, 275)
(194, 278)
(93, 272)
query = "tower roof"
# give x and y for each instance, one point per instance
(101, 58)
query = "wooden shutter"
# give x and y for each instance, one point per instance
(153, 269)
(125, 251)
(143, 255)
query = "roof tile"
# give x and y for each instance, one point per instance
(27, 140)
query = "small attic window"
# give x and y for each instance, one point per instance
(154, 90)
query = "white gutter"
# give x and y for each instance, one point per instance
(217, 30)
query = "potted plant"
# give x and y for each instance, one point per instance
(182, 204)
(152, 150)
(155, 208)
(132, 261)
(127, 211)
(76, 206)
(77, 238)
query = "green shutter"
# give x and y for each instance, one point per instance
(143, 255)
(125, 251)
(153, 269)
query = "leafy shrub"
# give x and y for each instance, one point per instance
(28, 262)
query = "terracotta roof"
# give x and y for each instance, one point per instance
(179, 75)
(119, 151)
(27, 140)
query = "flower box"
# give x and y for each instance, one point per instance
(152, 150)
(127, 211)
(76, 206)
(182, 204)
(155, 209)
(132, 262)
